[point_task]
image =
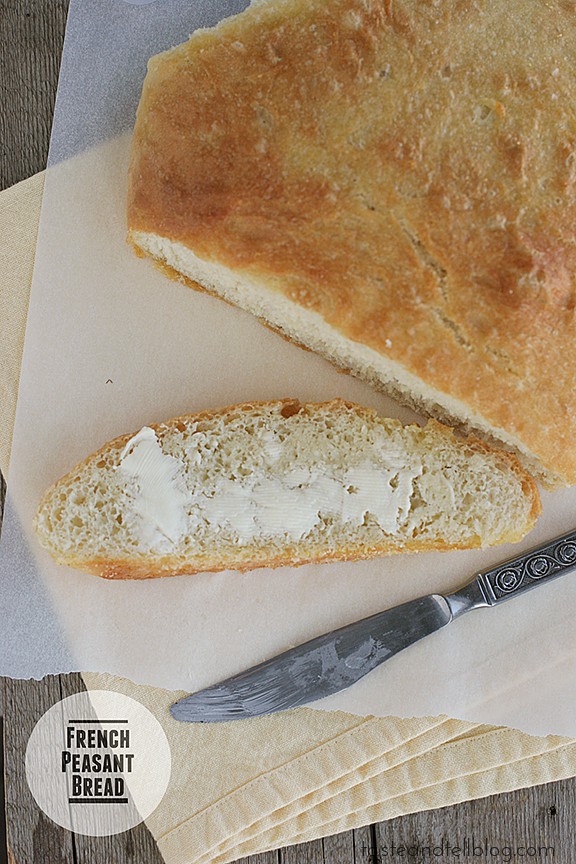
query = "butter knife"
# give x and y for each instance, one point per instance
(333, 662)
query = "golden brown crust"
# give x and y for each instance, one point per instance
(298, 554)
(134, 570)
(405, 169)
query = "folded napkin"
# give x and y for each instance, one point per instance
(246, 787)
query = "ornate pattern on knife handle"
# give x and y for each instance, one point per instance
(526, 571)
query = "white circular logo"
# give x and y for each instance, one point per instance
(98, 763)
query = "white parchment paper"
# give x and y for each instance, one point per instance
(112, 345)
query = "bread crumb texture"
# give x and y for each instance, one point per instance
(264, 484)
(404, 171)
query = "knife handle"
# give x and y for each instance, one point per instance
(539, 565)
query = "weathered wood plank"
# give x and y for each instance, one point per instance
(339, 848)
(31, 37)
(32, 836)
(364, 843)
(262, 858)
(3, 843)
(534, 824)
(131, 847)
(303, 853)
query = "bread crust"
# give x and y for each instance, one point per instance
(405, 170)
(296, 554)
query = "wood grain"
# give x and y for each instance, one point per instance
(364, 840)
(263, 858)
(539, 818)
(31, 37)
(339, 849)
(132, 847)
(32, 836)
(3, 843)
(303, 853)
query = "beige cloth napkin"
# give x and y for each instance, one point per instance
(241, 788)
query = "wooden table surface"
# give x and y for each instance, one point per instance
(31, 36)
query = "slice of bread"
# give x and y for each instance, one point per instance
(390, 184)
(281, 483)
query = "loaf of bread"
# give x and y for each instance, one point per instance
(281, 483)
(391, 184)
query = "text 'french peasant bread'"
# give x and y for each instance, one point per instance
(391, 184)
(277, 483)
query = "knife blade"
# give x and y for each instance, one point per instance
(337, 660)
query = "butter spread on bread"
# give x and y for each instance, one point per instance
(391, 184)
(281, 483)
